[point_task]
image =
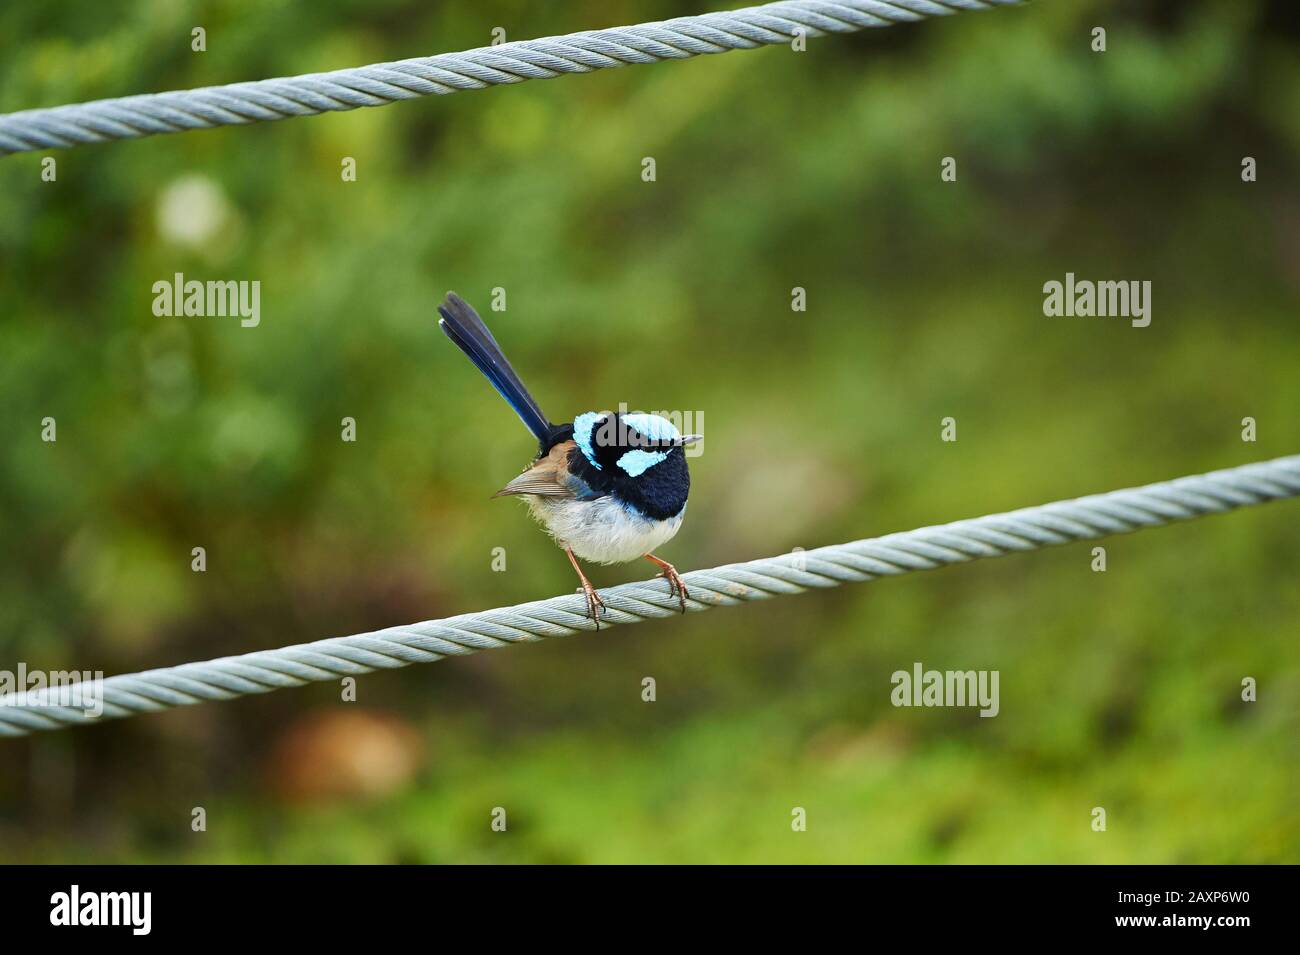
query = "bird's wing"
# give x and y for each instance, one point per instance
(538, 485)
(549, 476)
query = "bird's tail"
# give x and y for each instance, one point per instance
(463, 326)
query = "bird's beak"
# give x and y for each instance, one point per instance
(688, 439)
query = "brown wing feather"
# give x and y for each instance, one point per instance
(545, 477)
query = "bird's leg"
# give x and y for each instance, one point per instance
(675, 584)
(595, 606)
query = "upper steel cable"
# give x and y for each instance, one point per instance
(130, 117)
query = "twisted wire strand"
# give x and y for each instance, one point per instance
(130, 117)
(994, 535)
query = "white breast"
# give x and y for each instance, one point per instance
(602, 531)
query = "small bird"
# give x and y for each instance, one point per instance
(608, 487)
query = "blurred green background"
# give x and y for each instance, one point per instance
(775, 170)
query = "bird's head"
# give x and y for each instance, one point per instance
(630, 445)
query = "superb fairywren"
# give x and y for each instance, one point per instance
(608, 487)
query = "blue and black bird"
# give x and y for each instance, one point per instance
(608, 487)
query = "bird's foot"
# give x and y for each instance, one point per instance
(675, 583)
(595, 606)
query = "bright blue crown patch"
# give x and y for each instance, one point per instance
(652, 426)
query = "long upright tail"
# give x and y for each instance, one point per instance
(463, 326)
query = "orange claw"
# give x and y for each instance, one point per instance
(675, 583)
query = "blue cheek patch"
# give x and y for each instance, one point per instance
(583, 425)
(635, 463)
